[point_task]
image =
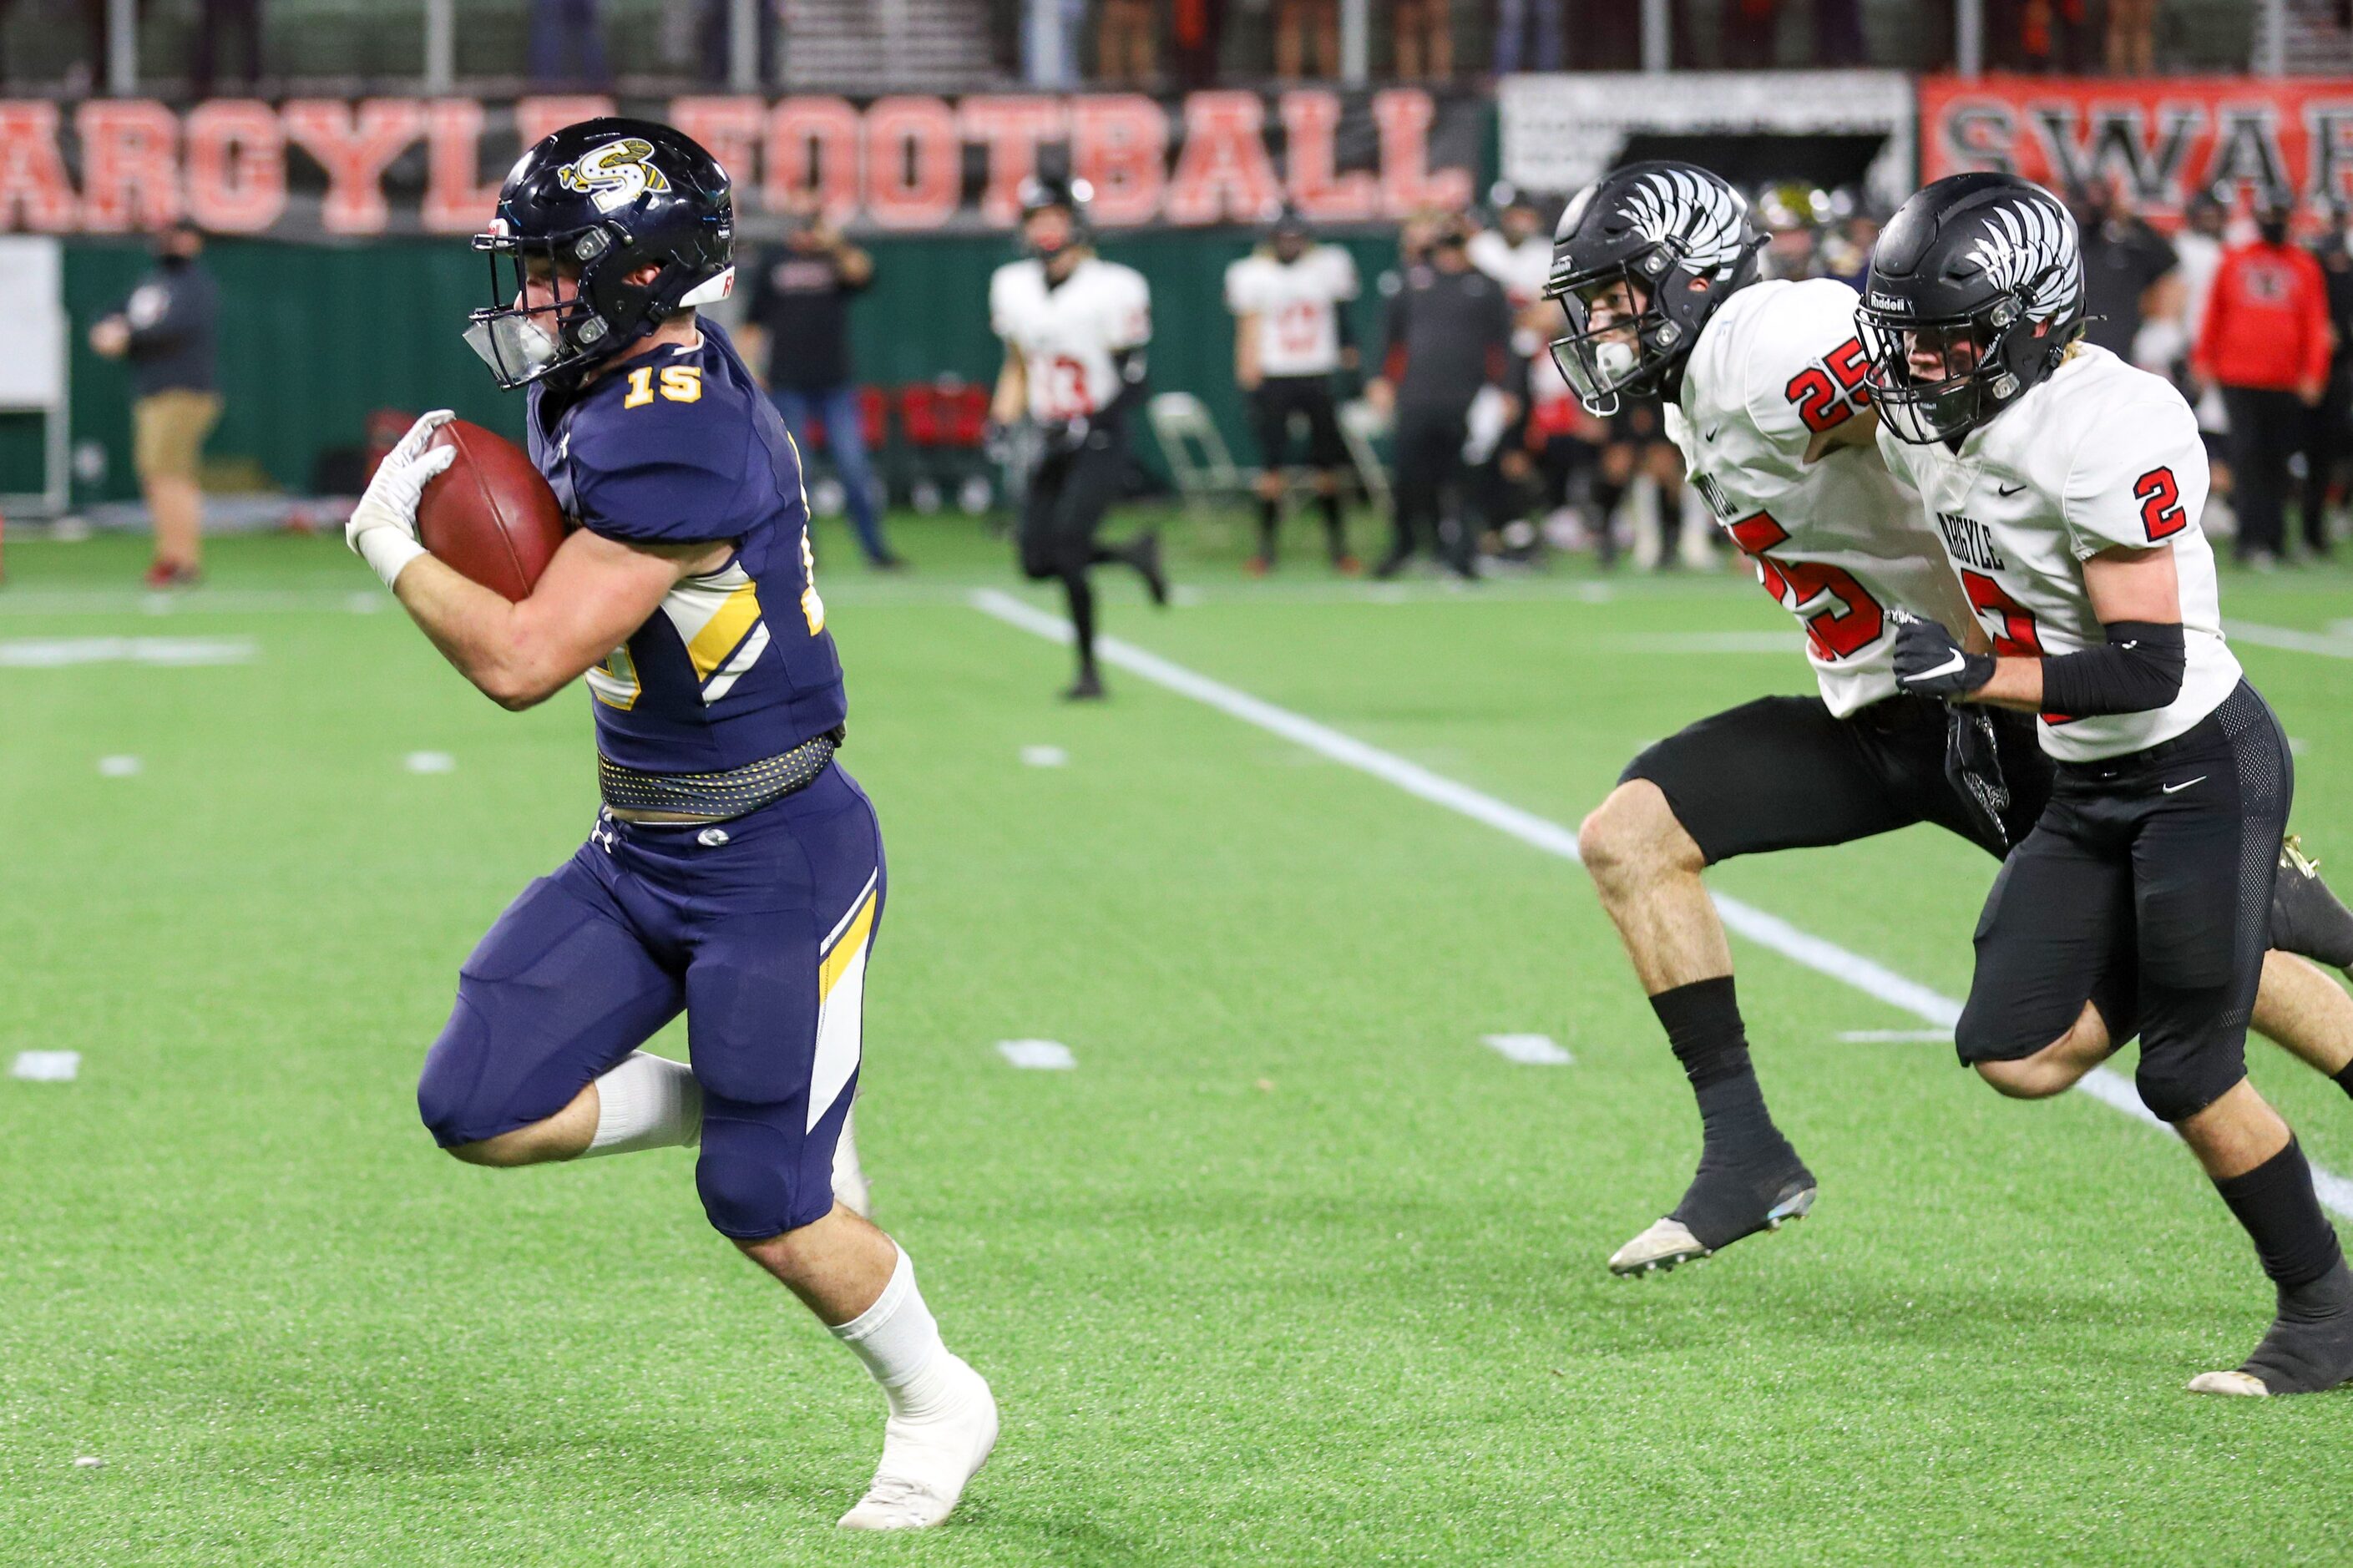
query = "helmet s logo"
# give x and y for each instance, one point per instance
(615, 175)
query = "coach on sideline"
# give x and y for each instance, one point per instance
(167, 329)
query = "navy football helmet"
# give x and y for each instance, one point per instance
(590, 206)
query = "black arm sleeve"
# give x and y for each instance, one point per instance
(2139, 671)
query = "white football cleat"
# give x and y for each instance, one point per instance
(1663, 1246)
(926, 1463)
(2229, 1383)
(851, 1188)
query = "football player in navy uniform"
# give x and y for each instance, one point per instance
(735, 873)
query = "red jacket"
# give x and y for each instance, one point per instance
(2266, 321)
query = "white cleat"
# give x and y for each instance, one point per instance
(2238, 1383)
(925, 1463)
(851, 1188)
(1663, 1246)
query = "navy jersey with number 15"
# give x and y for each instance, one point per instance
(679, 447)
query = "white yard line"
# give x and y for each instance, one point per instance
(2109, 1088)
(2328, 643)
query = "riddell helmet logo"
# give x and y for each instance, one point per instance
(1886, 302)
(615, 175)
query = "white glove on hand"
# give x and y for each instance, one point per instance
(382, 530)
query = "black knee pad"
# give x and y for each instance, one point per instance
(2176, 1086)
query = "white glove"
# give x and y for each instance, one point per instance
(382, 530)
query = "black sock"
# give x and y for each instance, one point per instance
(1270, 519)
(1703, 1024)
(1336, 527)
(2343, 1077)
(1081, 596)
(2281, 1215)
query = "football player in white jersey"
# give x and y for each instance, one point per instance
(1765, 398)
(1517, 253)
(2067, 486)
(1289, 300)
(1075, 328)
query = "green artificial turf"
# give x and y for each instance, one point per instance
(1289, 1270)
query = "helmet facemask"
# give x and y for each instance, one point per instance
(523, 342)
(1634, 344)
(1938, 380)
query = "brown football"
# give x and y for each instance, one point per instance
(491, 516)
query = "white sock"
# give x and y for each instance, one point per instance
(647, 1102)
(899, 1343)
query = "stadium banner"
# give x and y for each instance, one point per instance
(340, 169)
(2164, 138)
(1559, 132)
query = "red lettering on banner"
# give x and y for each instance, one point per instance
(728, 127)
(454, 202)
(915, 163)
(1119, 145)
(1311, 121)
(1010, 128)
(130, 164)
(1404, 115)
(1223, 171)
(34, 190)
(354, 150)
(537, 118)
(819, 132)
(236, 165)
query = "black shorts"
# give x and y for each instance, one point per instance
(2148, 875)
(1070, 491)
(1278, 397)
(1781, 772)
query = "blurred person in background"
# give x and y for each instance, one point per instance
(567, 44)
(2126, 265)
(1422, 35)
(798, 327)
(1198, 29)
(167, 328)
(1449, 341)
(1517, 253)
(1289, 300)
(1127, 43)
(1793, 213)
(219, 19)
(2329, 430)
(1514, 50)
(1299, 24)
(2264, 340)
(2132, 38)
(1747, 33)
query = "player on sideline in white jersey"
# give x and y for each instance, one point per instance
(1289, 300)
(1074, 327)
(2067, 486)
(1764, 389)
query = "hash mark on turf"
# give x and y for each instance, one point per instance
(429, 762)
(118, 767)
(1528, 1051)
(47, 1067)
(58, 653)
(1045, 1056)
(1892, 1037)
(1044, 756)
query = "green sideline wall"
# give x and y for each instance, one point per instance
(314, 337)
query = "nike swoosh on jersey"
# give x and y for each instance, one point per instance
(2008, 489)
(2185, 784)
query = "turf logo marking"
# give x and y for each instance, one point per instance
(1770, 930)
(47, 1067)
(1528, 1051)
(1040, 1056)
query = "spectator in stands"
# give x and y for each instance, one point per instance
(1749, 28)
(2264, 340)
(219, 18)
(1297, 25)
(798, 320)
(2328, 435)
(715, 38)
(1421, 34)
(1512, 50)
(2132, 38)
(1198, 29)
(1127, 43)
(166, 329)
(2126, 264)
(567, 44)
(1838, 33)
